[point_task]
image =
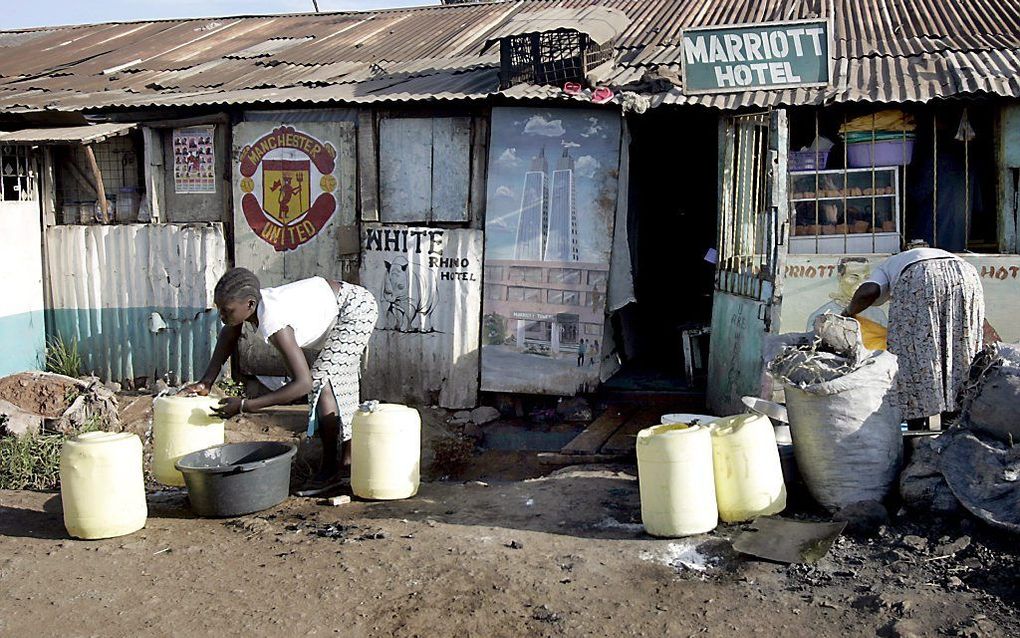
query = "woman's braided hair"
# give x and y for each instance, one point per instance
(237, 284)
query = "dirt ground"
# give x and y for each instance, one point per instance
(559, 555)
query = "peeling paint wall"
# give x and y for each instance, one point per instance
(137, 298)
(21, 311)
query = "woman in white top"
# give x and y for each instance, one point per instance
(936, 321)
(335, 318)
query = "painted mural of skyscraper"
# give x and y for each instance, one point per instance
(561, 234)
(534, 211)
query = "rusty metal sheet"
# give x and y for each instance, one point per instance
(428, 283)
(910, 50)
(67, 134)
(137, 298)
(600, 23)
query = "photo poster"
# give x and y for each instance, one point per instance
(550, 209)
(194, 160)
(815, 284)
(427, 282)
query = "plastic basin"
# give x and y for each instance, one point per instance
(884, 153)
(237, 478)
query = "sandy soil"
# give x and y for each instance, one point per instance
(560, 555)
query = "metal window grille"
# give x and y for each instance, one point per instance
(549, 57)
(19, 174)
(745, 215)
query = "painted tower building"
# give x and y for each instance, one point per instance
(531, 225)
(561, 235)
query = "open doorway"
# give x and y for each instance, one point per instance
(672, 225)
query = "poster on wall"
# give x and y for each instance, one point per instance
(825, 283)
(428, 285)
(550, 207)
(194, 160)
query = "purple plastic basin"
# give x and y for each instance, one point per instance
(884, 153)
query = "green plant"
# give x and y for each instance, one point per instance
(33, 462)
(63, 357)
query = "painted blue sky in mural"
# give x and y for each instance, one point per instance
(590, 137)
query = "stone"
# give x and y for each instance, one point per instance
(336, 501)
(473, 430)
(915, 543)
(904, 629)
(462, 415)
(17, 422)
(113, 386)
(484, 414)
(160, 387)
(948, 549)
(864, 518)
(574, 409)
(515, 545)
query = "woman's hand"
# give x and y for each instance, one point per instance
(200, 388)
(229, 407)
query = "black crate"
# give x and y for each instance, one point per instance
(550, 57)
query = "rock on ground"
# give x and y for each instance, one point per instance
(484, 414)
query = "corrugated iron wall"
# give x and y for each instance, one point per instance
(137, 298)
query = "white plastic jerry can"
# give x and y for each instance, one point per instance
(102, 486)
(385, 451)
(748, 473)
(182, 425)
(675, 480)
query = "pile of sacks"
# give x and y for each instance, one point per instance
(975, 465)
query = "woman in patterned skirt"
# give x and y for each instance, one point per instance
(336, 319)
(936, 319)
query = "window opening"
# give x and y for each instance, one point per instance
(18, 174)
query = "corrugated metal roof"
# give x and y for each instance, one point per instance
(884, 50)
(67, 134)
(601, 24)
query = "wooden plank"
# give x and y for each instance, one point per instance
(155, 184)
(622, 441)
(368, 167)
(558, 458)
(405, 169)
(451, 168)
(479, 156)
(104, 206)
(589, 441)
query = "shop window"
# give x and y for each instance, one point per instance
(424, 169)
(565, 276)
(597, 278)
(18, 174)
(527, 273)
(117, 159)
(867, 181)
(517, 293)
(494, 273)
(555, 296)
(571, 298)
(495, 293)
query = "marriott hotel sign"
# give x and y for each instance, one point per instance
(776, 55)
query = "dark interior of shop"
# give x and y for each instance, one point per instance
(672, 225)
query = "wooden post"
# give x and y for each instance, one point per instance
(90, 155)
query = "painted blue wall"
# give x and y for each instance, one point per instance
(117, 344)
(22, 342)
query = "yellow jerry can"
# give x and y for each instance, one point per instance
(102, 486)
